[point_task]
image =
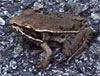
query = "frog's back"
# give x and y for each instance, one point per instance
(55, 23)
(46, 22)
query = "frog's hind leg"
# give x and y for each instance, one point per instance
(84, 44)
(78, 44)
(46, 55)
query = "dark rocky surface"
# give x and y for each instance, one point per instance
(18, 57)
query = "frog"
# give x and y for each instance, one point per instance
(67, 29)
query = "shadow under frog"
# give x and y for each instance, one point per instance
(63, 28)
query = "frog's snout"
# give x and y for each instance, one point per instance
(12, 21)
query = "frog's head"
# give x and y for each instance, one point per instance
(22, 19)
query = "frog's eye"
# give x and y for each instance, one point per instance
(26, 26)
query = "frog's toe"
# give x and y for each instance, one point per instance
(45, 62)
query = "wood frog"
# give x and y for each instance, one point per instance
(68, 29)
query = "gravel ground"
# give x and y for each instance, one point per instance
(18, 58)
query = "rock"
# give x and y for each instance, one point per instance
(65, 74)
(30, 69)
(6, 13)
(17, 50)
(37, 6)
(95, 16)
(27, 74)
(98, 38)
(13, 64)
(39, 0)
(1, 47)
(2, 21)
(58, 1)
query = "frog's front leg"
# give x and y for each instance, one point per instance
(46, 55)
(78, 44)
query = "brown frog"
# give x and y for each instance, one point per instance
(63, 28)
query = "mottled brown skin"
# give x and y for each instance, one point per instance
(73, 43)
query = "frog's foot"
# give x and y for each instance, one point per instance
(78, 44)
(77, 51)
(46, 56)
(45, 61)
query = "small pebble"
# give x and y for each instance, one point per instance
(1, 47)
(39, 73)
(85, 59)
(95, 16)
(13, 64)
(65, 74)
(6, 13)
(37, 6)
(30, 69)
(98, 38)
(58, 1)
(17, 50)
(2, 21)
(39, 0)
